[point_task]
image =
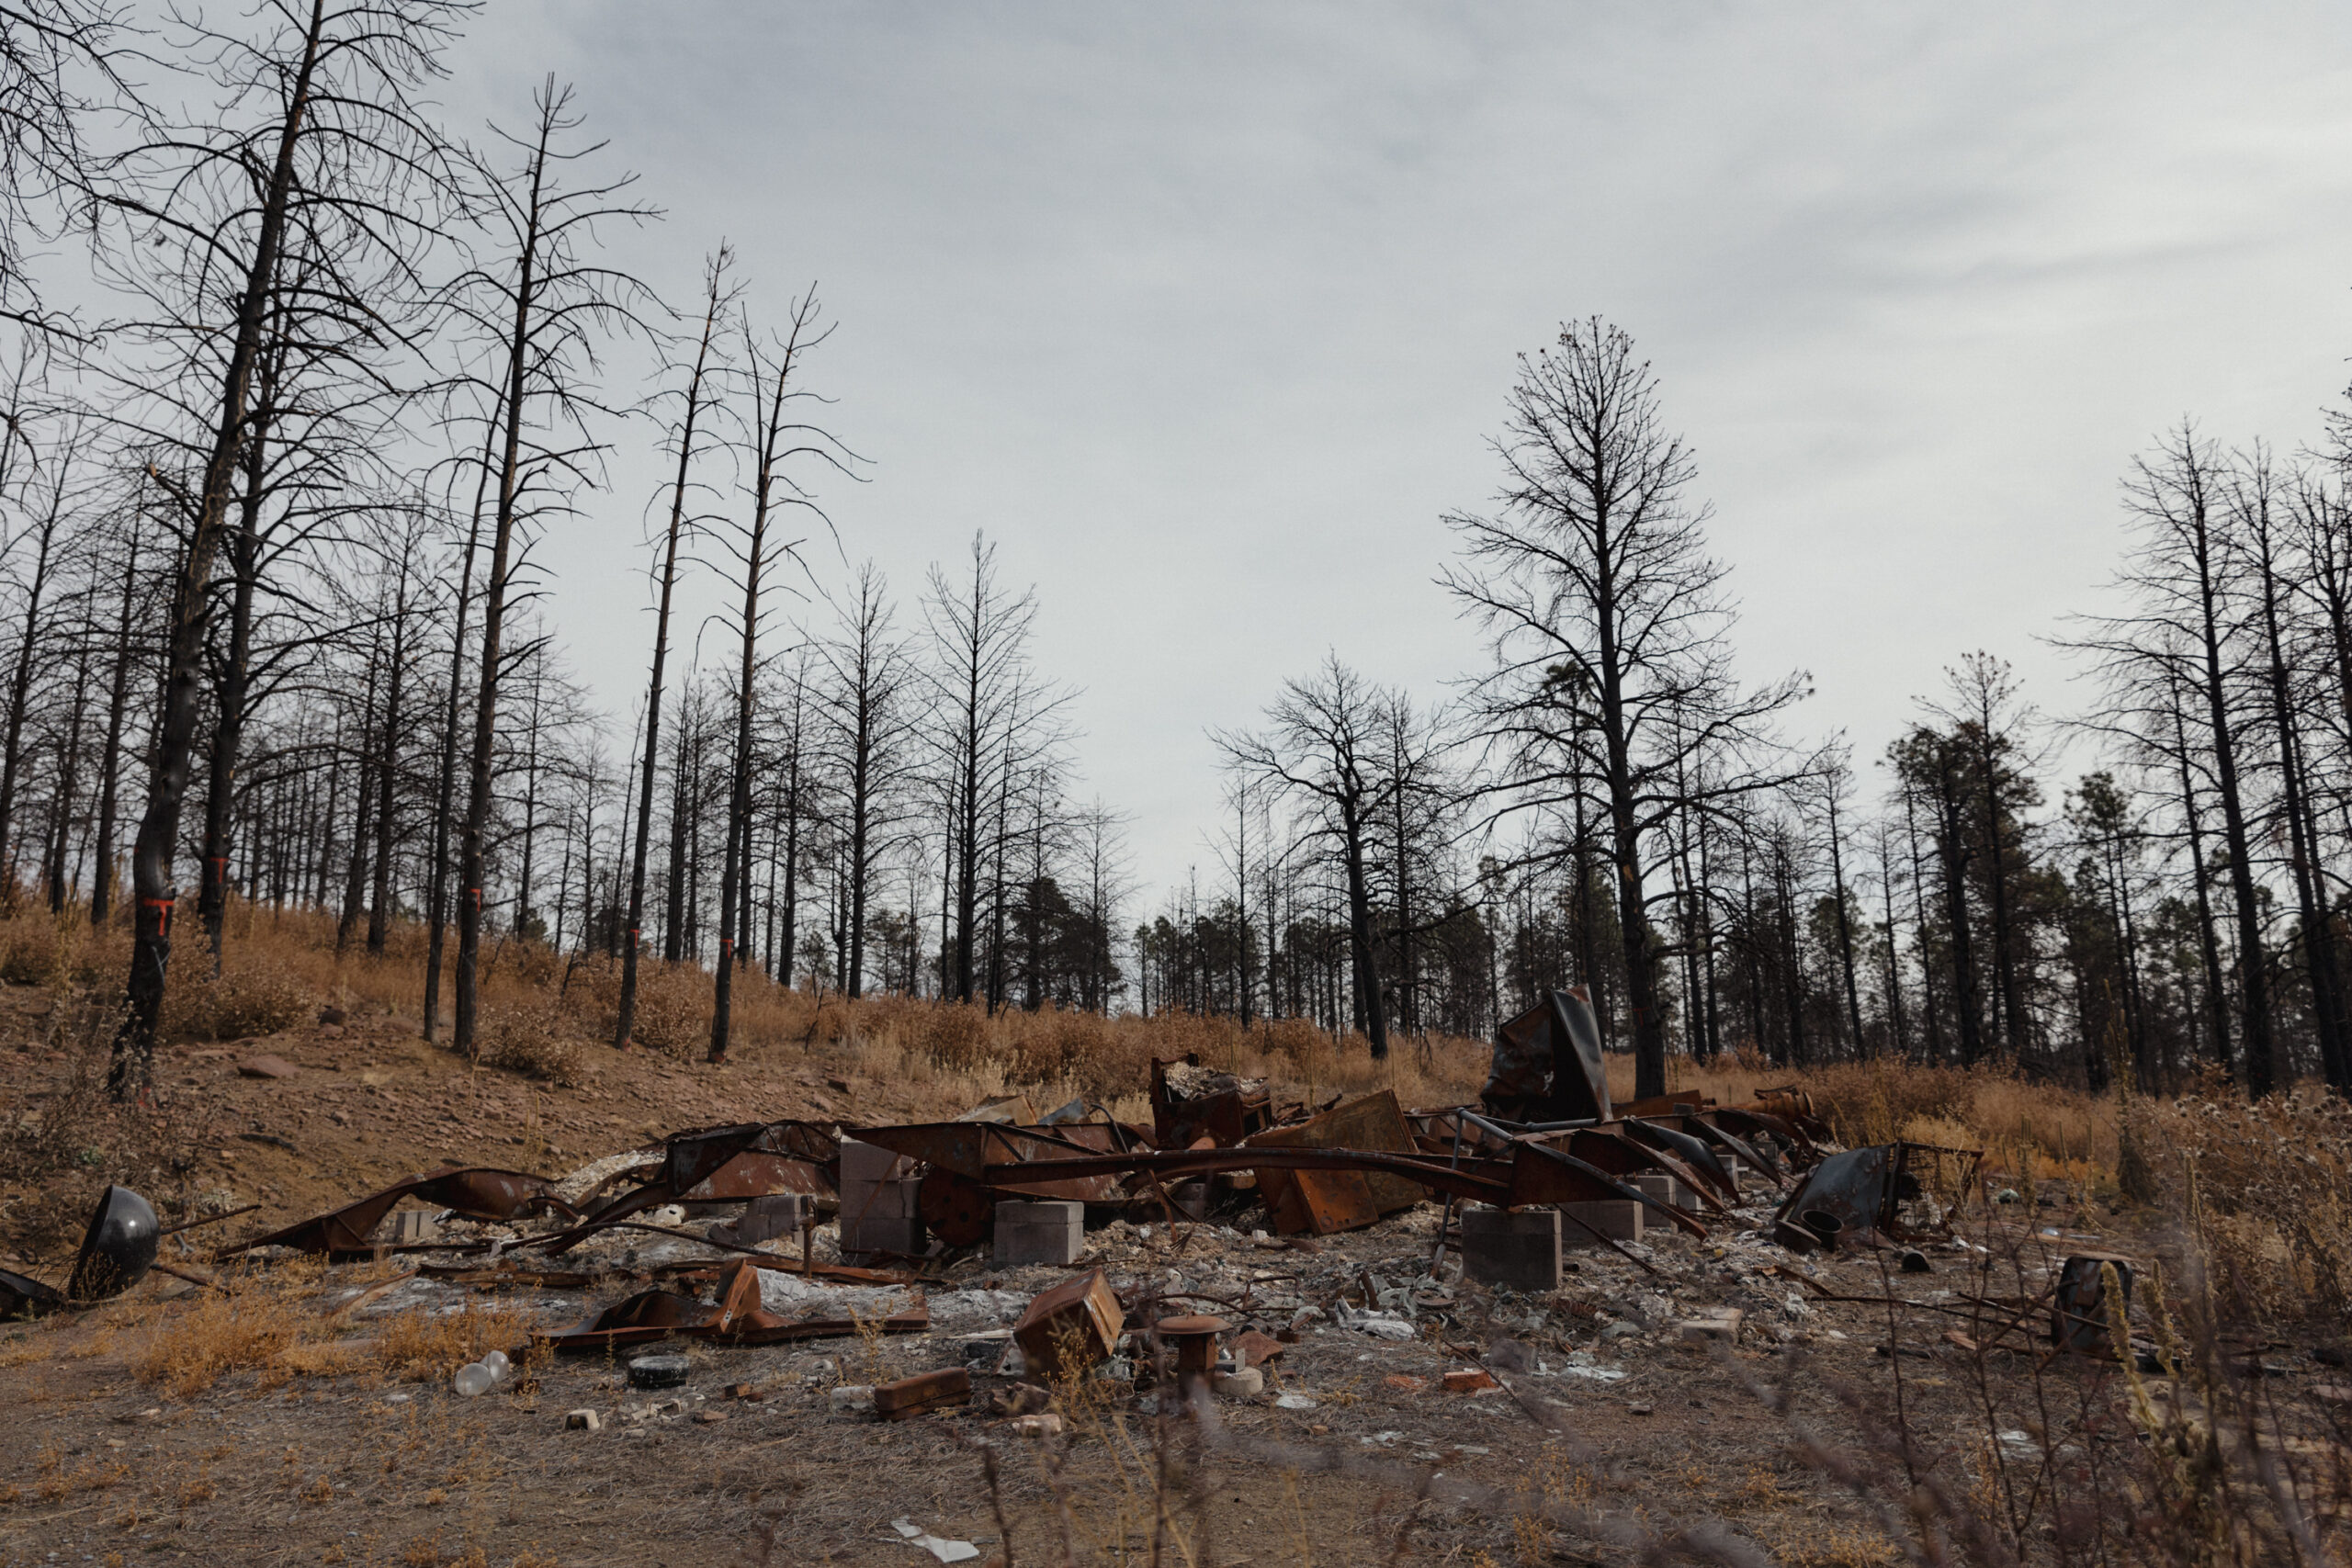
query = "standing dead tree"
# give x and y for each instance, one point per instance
(1593, 574)
(779, 438)
(693, 397)
(863, 709)
(540, 310)
(980, 636)
(1323, 744)
(316, 148)
(2179, 658)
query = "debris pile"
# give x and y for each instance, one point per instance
(1544, 1232)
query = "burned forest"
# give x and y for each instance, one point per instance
(707, 784)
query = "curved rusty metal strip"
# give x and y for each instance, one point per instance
(476, 1192)
(1586, 1143)
(1692, 1151)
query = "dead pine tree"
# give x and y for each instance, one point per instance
(408, 548)
(117, 711)
(718, 296)
(319, 102)
(437, 891)
(232, 680)
(781, 438)
(1593, 568)
(1321, 744)
(543, 309)
(58, 472)
(868, 727)
(980, 636)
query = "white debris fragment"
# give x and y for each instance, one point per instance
(1379, 1324)
(969, 1309)
(945, 1550)
(790, 1295)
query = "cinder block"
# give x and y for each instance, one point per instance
(1039, 1232)
(1618, 1219)
(881, 1216)
(894, 1200)
(1518, 1251)
(904, 1236)
(1667, 1190)
(868, 1163)
(762, 1219)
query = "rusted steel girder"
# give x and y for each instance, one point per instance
(969, 1149)
(1013, 1176)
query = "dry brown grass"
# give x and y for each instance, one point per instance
(268, 1320)
(419, 1347)
(249, 1324)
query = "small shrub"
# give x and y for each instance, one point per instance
(30, 952)
(673, 1008)
(257, 997)
(531, 1040)
(237, 1329)
(1307, 1048)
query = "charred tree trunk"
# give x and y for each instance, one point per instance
(379, 906)
(110, 757)
(714, 297)
(159, 827)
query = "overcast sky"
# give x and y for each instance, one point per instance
(1206, 313)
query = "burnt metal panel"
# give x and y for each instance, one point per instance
(1865, 1191)
(1329, 1201)
(1548, 1065)
(477, 1192)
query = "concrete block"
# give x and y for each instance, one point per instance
(908, 1238)
(1039, 1232)
(762, 1219)
(882, 1216)
(1667, 1190)
(1247, 1383)
(893, 1200)
(864, 1163)
(1517, 1251)
(1722, 1323)
(1618, 1219)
